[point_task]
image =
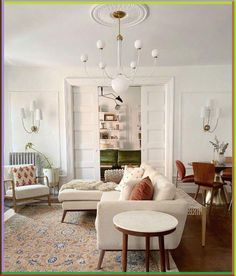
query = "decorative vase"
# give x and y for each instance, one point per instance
(53, 175)
(220, 158)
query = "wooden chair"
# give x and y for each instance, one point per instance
(227, 176)
(204, 175)
(181, 174)
(27, 192)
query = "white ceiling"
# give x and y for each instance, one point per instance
(59, 34)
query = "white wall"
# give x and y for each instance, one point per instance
(128, 116)
(193, 85)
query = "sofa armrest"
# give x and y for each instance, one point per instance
(109, 238)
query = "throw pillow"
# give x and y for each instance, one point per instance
(163, 188)
(143, 190)
(24, 175)
(127, 189)
(129, 174)
(149, 171)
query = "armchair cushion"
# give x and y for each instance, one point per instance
(28, 191)
(24, 175)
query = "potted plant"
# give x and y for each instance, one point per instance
(220, 149)
(48, 170)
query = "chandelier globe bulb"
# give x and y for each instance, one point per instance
(155, 53)
(120, 84)
(100, 44)
(102, 65)
(84, 58)
(133, 64)
(138, 44)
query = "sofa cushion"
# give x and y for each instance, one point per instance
(127, 189)
(24, 175)
(73, 194)
(110, 196)
(29, 191)
(129, 157)
(143, 190)
(129, 174)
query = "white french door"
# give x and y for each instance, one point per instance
(157, 121)
(86, 133)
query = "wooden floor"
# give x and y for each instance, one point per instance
(217, 253)
(216, 256)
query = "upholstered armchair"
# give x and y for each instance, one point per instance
(22, 184)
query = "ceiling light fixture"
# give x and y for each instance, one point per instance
(120, 82)
(111, 96)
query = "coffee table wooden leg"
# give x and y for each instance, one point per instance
(147, 253)
(162, 253)
(124, 252)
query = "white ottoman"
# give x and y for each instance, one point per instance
(78, 200)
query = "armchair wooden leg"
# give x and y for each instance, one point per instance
(101, 256)
(14, 205)
(49, 200)
(63, 215)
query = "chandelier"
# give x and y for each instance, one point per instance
(120, 82)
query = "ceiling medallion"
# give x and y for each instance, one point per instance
(134, 14)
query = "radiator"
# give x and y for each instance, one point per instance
(18, 158)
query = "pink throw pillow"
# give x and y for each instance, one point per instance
(143, 190)
(24, 175)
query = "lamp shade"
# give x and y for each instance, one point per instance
(33, 106)
(22, 113)
(205, 112)
(38, 115)
(120, 84)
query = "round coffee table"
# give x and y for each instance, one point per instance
(145, 224)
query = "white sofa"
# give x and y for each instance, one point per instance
(108, 238)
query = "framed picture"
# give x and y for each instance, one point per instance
(109, 117)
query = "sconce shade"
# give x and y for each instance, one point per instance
(32, 106)
(218, 112)
(22, 113)
(38, 115)
(205, 112)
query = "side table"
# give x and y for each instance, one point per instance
(145, 224)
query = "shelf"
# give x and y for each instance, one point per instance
(109, 139)
(106, 129)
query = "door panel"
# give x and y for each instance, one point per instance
(154, 140)
(86, 134)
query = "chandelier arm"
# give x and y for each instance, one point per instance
(85, 69)
(154, 67)
(22, 120)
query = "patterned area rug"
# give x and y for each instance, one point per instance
(36, 240)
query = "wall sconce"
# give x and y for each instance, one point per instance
(113, 97)
(210, 116)
(35, 116)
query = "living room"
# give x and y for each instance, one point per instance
(75, 108)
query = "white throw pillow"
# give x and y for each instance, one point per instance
(163, 188)
(149, 171)
(165, 193)
(127, 189)
(129, 174)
